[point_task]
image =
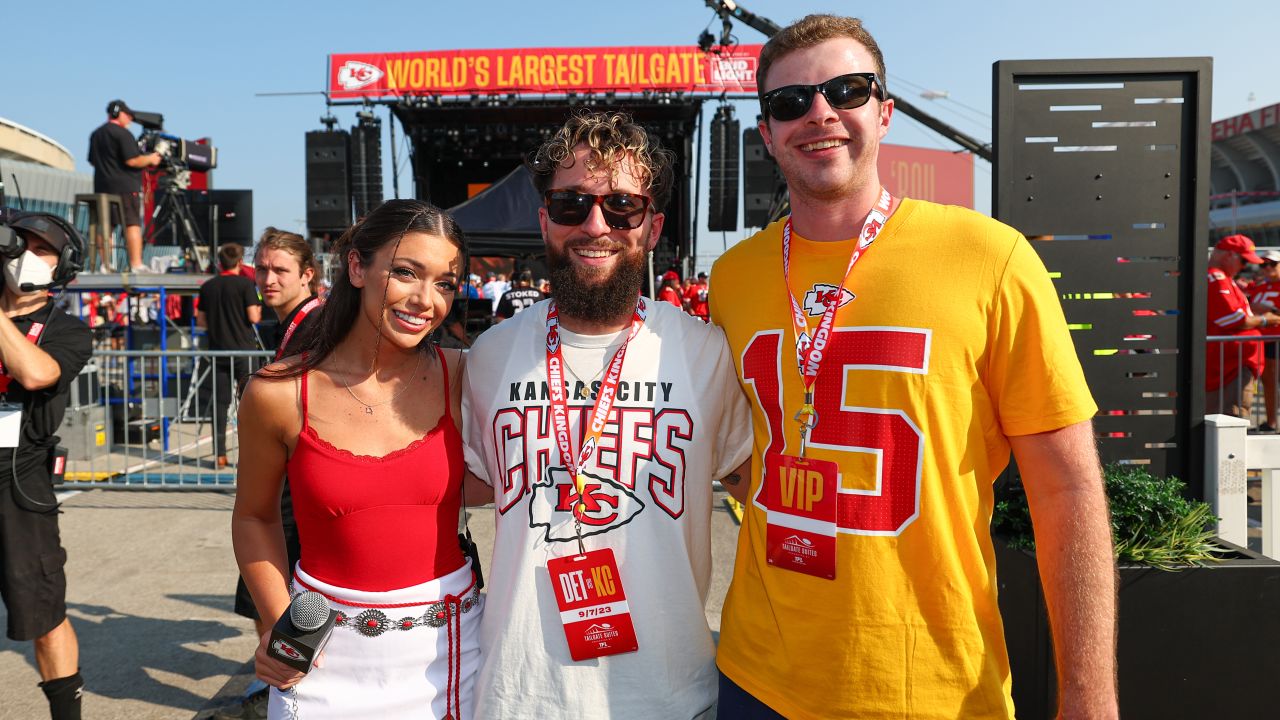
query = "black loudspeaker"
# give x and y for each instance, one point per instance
(366, 164)
(230, 211)
(722, 215)
(328, 184)
(760, 179)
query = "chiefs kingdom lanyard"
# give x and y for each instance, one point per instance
(298, 317)
(33, 335)
(600, 411)
(809, 352)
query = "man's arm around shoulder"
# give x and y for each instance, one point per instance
(1077, 566)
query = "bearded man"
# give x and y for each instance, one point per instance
(600, 419)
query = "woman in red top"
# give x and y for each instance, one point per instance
(366, 423)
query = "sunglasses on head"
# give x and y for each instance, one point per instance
(843, 92)
(621, 211)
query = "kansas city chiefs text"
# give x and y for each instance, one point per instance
(641, 452)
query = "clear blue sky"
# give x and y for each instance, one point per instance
(202, 63)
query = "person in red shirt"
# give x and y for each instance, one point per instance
(670, 290)
(1264, 297)
(1228, 390)
(695, 297)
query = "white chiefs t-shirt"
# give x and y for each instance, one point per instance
(680, 421)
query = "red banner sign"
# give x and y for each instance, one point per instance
(939, 176)
(542, 70)
(1248, 122)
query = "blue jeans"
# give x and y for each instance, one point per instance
(737, 704)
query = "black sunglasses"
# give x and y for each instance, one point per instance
(843, 92)
(621, 211)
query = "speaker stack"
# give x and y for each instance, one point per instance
(722, 215)
(328, 184)
(366, 163)
(761, 180)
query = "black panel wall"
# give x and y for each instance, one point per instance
(722, 215)
(1104, 165)
(328, 189)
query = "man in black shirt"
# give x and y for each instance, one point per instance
(519, 297)
(117, 170)
(229, 308)
(42, 349)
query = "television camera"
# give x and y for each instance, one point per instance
(178, 159)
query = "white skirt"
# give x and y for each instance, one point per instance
(390, 653)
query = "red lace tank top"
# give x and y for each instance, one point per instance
(379, 523)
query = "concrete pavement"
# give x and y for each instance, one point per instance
(150, 582)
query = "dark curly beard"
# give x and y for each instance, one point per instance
(592, 295)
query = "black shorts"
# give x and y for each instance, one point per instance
(33, 582)
(132, 203)
(244, 601)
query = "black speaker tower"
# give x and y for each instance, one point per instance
(366, 163)
(722, 215)
(328, 185)
(761, 181)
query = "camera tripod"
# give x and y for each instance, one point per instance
(173, 214)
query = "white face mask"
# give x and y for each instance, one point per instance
(27, 268)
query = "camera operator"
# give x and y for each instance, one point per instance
(117, 170)
(42, 349)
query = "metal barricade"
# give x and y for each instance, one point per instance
(1232, 388)
(150, 419)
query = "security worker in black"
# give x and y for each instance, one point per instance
(42, 349)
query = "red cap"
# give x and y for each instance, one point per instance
(671, 275)
(1241, 245)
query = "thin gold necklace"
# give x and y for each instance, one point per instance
(585, 391)
(368, 408)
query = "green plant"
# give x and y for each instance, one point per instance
(1151, 522)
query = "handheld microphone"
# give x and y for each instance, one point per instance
(301, 633)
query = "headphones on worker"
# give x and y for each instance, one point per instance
(50, 228)
(115, 107)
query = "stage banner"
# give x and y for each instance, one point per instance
(940, 176)
(537, 71)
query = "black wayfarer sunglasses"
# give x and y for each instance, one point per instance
(843, 92)
(621, 211)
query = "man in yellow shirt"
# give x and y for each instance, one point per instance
(886, 398)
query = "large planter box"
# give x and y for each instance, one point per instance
(1198, 643)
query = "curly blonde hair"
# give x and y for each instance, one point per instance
(610, 137)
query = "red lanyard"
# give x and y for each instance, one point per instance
(603, 404)
(33, 335)
(298, 317)
(809, 352)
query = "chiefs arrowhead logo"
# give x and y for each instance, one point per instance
(553, 339)
(354, 75)
(284, 649)
(816, 299)
(609, 505)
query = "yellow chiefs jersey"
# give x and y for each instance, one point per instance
(949, 339)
